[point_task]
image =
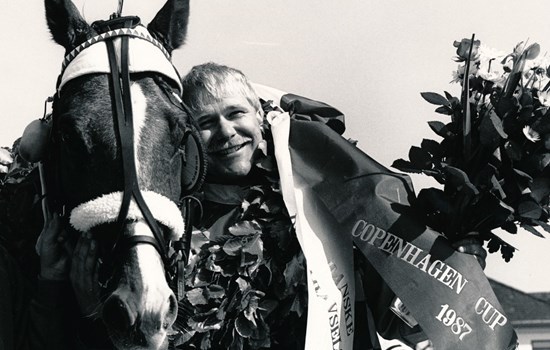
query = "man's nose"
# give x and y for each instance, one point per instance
(226, 128)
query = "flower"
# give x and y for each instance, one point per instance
(544, 98)
(531, 134)
(493, 158)
(463, 49)
(490, 67)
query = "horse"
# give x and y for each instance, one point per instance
(123, 152)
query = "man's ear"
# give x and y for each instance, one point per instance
(67, 26)
(170, 23)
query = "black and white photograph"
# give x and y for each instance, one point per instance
(208, 174)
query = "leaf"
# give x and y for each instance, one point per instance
(493, 245)
(233, 246)
(545, 226)
(267, 306)
(513, 150)
(245, 227)
(420, 158)
(507, 252)
(206, 342)
(195, 296)
(237, 343)
(491, 131)
(435, 98)
(441, 129)
(432, 199)
(215, 291)
(433, 147)
(510, 227)
(542, 161)
(532, 230)
(532, 51)
(448, 95)
(266, 163)
(540, 188)
(254, 246)
(458, 178)
(406, 166)
(212, 265)
(523, 179)
(436, 174)
(294, 271)
(206, 321)
(488, 212)
(497, 187)
(244, 326)
(506, 105)
(446, 110)
(529, 209)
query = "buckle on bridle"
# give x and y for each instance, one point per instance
(102, 26)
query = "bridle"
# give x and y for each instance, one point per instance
(123, 28)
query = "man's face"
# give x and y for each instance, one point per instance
(230, 129)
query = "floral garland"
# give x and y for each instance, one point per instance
(20, 210)
(247, 288)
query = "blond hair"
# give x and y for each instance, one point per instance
(210, 82)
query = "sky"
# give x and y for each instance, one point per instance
(370, 59)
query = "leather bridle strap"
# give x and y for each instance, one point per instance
(125, 131)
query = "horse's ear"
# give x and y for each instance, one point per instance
(67, 26)
(170, 23)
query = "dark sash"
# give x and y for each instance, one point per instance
(446, 291)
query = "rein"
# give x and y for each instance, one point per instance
(124, 117)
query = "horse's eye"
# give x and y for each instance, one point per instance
(66, 138)
(70, 136)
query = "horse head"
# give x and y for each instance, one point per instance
(123, 152)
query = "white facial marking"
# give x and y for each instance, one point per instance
(156, 289)
(139, 106)
(156, 292)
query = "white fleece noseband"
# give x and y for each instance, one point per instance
(105, 209)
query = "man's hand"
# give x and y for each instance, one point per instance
(53, 249)
(84, 275)
(472, 246)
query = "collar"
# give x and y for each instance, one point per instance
(225, 194)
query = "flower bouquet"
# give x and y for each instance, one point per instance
(493, 155)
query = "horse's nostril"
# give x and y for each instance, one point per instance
(172, 311)
(117, 314)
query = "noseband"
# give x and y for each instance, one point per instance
(122, 29)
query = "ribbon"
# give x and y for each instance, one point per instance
(338, 194)
(330, 263)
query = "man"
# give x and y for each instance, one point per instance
(32, 310)
(241, 172)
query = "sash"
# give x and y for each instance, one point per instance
(331, 293)
(339, 194)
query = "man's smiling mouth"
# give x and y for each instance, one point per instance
(228, 150)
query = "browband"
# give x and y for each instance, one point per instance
(146, 54)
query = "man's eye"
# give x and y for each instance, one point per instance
(236, 114)
(205, 124)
